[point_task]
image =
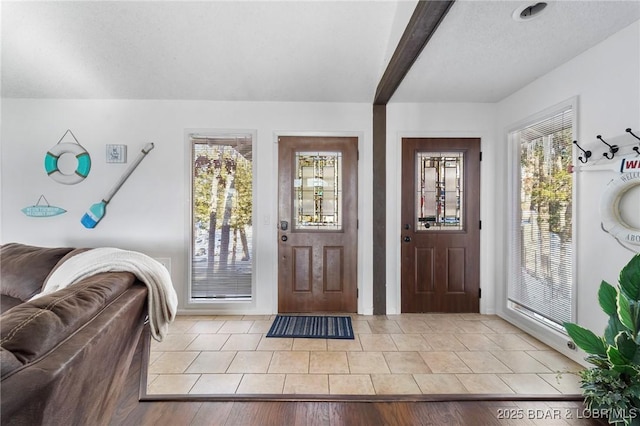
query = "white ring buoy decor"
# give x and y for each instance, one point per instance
(612, 221)
(83, 166)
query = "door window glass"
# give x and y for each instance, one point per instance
(439, 191)
(317, 191)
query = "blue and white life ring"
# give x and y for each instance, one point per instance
(83, 166)
(612, 221)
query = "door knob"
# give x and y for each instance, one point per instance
(284, 238)
(407, 239)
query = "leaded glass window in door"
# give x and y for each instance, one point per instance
(317, 191)
(440, 190)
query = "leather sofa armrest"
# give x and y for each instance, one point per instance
(30, 330)
(23, 268)
(79, 381)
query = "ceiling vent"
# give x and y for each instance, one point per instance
(528, 12)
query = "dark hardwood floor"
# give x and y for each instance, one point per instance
(488, 411)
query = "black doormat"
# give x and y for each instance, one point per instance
(319, 327)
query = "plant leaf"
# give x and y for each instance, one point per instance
(585, 339)
(600, 361)
(635, 313)
(624, 313)
(626, 345)
(624, 369)
(630, 278)
(634, 390)
(614, 327)
(615, 357)
(607, 295)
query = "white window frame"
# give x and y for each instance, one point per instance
(218, 306)
(551, 335)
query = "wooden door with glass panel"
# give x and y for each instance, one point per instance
(440, 269)
(317, 236)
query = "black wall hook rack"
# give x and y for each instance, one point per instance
(586, 154)
(635, 148)
(612, 149)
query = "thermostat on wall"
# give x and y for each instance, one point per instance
(116, 153)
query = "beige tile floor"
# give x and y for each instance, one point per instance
(390, 355)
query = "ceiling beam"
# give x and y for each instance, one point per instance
(423, 23)
(425, 20)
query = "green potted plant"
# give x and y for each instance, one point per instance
(612, 385)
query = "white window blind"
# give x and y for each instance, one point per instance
(222, 216)
(541, 234)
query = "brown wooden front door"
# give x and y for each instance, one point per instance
(440, 225)
(318, 213)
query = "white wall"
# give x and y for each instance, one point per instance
(606, 80)
(151, 213)
(442, 120)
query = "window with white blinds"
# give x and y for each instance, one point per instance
(541, 232)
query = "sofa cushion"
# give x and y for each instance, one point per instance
(8, 302)
(23, 268)
(8, 362)
(64, 259)
(33, 328)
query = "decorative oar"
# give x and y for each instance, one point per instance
(97, 211)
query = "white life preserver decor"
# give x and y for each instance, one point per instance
(612, 221)
(83, 165)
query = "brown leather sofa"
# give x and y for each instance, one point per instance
(64, 356)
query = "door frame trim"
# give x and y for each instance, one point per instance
(365, 294)
(394, 219)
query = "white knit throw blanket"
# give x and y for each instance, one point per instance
(162, 298)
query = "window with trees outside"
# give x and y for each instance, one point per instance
(541, 282)
(222, 198)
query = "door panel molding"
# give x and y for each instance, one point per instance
(333, 266)
(424, 267)
(302, 269)
(455, 269)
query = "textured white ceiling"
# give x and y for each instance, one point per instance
(285, 50)
(264, 51)
(480, 54)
